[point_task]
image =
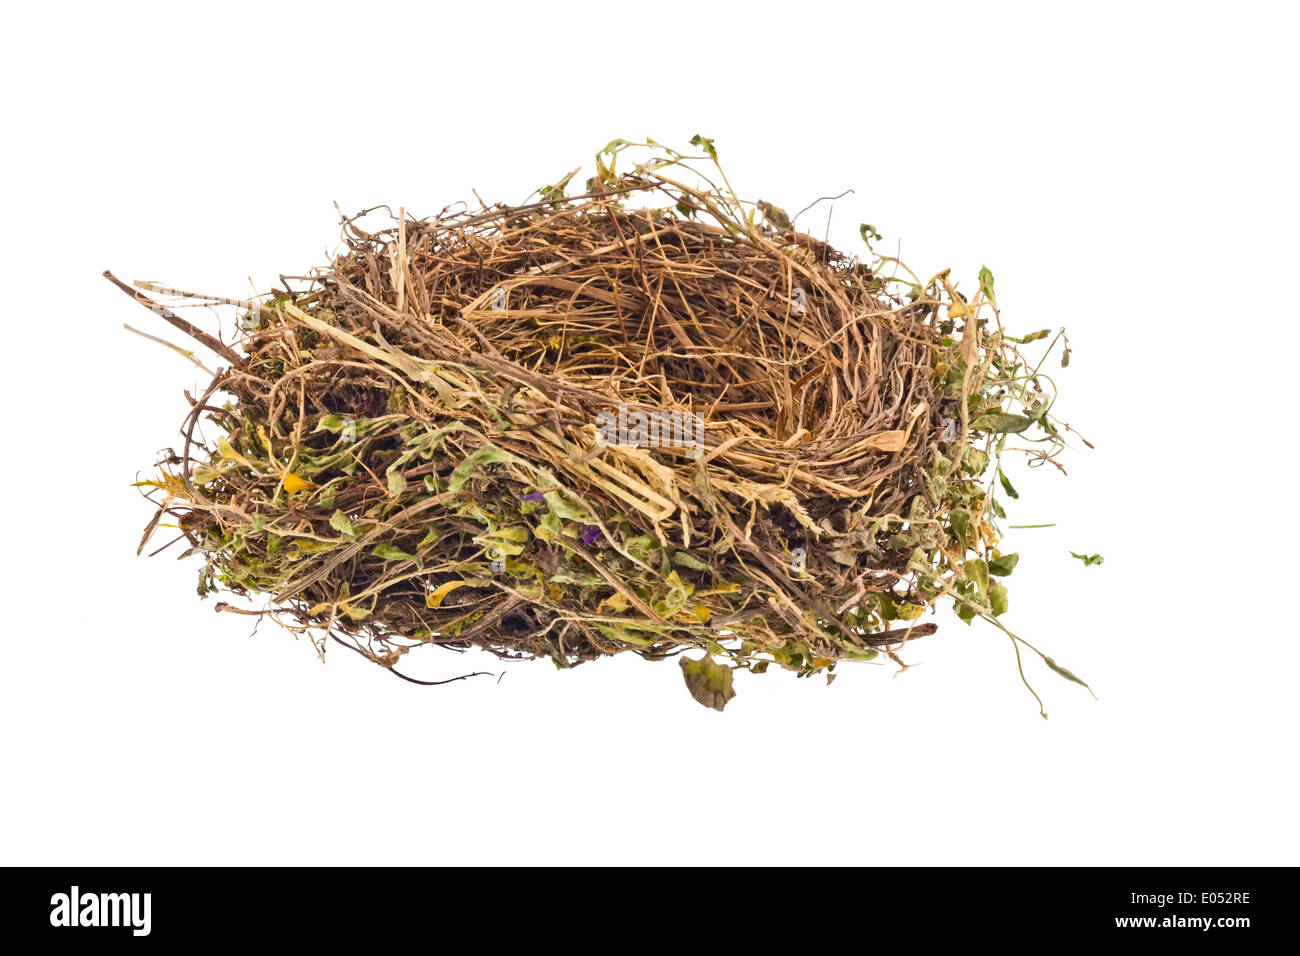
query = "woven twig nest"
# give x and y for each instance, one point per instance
(650, 418)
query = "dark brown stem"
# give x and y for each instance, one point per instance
(193, 331)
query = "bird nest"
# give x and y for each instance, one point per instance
(645, 418)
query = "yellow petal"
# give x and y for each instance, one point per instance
(435, 599)
(293, 484)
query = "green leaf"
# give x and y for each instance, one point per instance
(626, 635)
(960, 519)
(612, 145)
(706, 144)
(1033, 336)
(1004, 565)
(978, 572)
(355, 613)
(1088, 559)
(986, 285)
(774, 214)
(550, 529)
(556, 189)
(642, 547)
(709, 683)
(396, 484)
(396, 398)
(998, 598)
(226, 450)
(430, 444)
(563, 508)
(510, 541)
(310, 546)
(1067, 675)
(484, 456)
(1006, 485)
(340, 522)
(390, 552)
(687, 560)
(1002, 422)
(868, 233)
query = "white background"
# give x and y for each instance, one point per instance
(1126, 170)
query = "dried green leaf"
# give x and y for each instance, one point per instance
(998, 598)
(986, 285)
(484, 456)
(687, 560)
(340, 522)
(1067, 675)
(774, 214)
(708, 682)
(706, 144)
(1003, 565)
(1006, 485)
(978, 572)
(626, 635)
(1002, 422)
(563, 508)
(960, 521)
(396, 484)
(964, 611)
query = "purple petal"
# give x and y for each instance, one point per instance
(533, 496)
(590, 534)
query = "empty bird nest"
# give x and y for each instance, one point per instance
(646, 417)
